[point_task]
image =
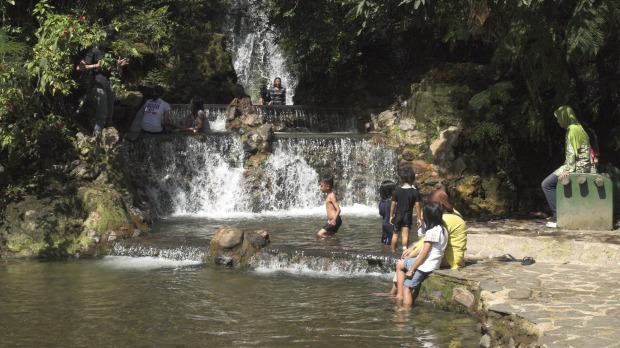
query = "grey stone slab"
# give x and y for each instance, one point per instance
(520, 294)
(605, 321)
(491, 286)
(503, 308)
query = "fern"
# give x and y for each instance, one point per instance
(498, 93)
(8, 47)
(584, 33)
(486, 131)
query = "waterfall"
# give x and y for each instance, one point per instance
(284, 118)
(204, 175)
(293, 171)
(184, 174)
(252, 43)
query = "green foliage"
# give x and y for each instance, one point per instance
(59, 38)
(585, 35)
(41, 42)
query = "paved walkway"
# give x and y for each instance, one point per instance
(571, 293)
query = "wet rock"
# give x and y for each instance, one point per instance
(228, 237)
(252, 120)
(232, 247)
(223, 260)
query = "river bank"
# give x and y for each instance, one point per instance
(568, 298)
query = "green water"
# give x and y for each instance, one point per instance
(119, 301)
(153, 303)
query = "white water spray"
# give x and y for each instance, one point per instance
(257, 57)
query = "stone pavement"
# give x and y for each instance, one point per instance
(571, 293)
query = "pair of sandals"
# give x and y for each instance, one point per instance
(526, 261)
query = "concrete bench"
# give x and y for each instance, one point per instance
(585, 202)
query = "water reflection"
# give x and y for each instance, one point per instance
(93, 302)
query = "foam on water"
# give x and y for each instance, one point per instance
(318, 211)
(144, 263)
(330, 272)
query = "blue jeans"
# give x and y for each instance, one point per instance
(549, 186)
(418, 276)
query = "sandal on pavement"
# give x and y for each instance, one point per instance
(527, 261)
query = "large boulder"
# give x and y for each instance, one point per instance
(231, 246)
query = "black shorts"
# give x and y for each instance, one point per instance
(403, 220)
(329, 228)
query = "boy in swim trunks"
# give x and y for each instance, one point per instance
(331, 206)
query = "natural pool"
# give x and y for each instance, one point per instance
(172, 299)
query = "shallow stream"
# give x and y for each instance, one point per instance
(155, 292)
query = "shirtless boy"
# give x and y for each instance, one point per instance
(331, 206)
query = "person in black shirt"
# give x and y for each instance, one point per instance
(265, 98)
(405, 199)
(102, 90)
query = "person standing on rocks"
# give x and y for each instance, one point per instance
(277, 93)
(577, 158)
(102, 92)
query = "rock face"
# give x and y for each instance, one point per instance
(427, 130)
(233, 247)
(77, 207)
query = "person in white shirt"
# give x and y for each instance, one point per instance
(156, 113)
(411, 272)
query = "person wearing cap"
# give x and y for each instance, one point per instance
(102, 90)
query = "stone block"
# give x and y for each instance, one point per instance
(585, 202)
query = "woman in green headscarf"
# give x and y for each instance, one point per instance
(577, 156)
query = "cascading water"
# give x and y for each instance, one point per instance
(183, 174)
(252, 42)
(285, 118)
(294, 169)
(204, 175)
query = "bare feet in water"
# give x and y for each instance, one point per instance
(385, 294)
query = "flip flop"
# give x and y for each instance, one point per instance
(527, 261)
(507, 258)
